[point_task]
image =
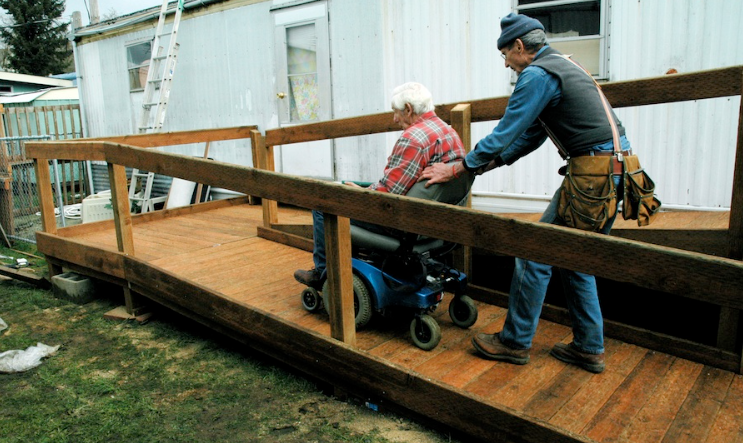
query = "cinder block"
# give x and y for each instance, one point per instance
(73, 287)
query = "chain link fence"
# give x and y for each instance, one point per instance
(20, 215)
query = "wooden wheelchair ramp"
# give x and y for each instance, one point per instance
(208, 264)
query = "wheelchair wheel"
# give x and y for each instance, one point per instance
(362, 303)
(463, 311)
(425, 332)
(311, 299)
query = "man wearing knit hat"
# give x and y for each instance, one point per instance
(552, 94)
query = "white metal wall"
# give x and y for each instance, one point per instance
(226, 74)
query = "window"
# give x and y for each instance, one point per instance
(573, 27)
(138, 62)
(301, 56)
(6, 89)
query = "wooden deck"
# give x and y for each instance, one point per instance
(207, 262)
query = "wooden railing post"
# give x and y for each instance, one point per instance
(461, 121)
(730, 330)
(340, 278)
(123, 225)
(46, 201)
(264, 157)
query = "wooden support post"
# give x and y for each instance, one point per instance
(122, 213)
(46, 201)
(340, 278)
(200, 186)
(461, 121)
(123, 225)
(264, 155)
(730, 331)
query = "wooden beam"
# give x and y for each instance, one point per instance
(121, 205)
(72, 252)
(178, 138)
(339, 363)
(46, 198)
(286, 238)
(714, 279)
(699, 85)
(265, 161)
(630, 334)
(730, 331)
(340, 279)
(461, 119)
(25, 276)
(77, 150)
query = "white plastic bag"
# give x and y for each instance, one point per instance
(19, 361)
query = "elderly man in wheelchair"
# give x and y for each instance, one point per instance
(393, 269)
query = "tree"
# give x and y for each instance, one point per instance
(37, 39)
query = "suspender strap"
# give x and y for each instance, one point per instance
(617, 159)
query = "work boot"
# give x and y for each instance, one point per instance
(571, 354)
(312, 278)
(491, 347)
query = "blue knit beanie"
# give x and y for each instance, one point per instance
(514, 26)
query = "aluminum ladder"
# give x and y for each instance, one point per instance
(156, 95)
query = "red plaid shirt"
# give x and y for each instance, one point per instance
(428, 141)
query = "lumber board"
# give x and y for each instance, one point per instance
(648, 91)
(729, 423)
(153, 140)
(685, 273)
(25, 276)
(286, 238)
(66, 150)
(339, 364)
(642, 337)
(106, 261)
(340, 279)
(653, 420)
(619, 410)
(694, 421)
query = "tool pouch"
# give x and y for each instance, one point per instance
(640, 202)
(588, 196)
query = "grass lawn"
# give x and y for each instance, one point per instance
(168, 380)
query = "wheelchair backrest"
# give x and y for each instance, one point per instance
(453, 192)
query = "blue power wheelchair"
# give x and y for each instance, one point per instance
(404, 272)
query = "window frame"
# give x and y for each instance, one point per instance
(603, 35)
(145, 62)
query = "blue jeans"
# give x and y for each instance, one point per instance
(318, 233)
(529, 287)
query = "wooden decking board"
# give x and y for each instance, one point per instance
(581, 407)
(631, 396)
(552, 397)
(656, 416)
(694, 421)
(489, 384)
(641, 396)
(472, 365)
(450, 357)
(727, 427)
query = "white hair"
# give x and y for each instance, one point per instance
(417, 95)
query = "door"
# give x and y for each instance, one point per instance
(303, 86)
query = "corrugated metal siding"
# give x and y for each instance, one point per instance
(226, 77)
(689, 148)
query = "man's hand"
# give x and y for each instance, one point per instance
(438, 173)
(352, 184)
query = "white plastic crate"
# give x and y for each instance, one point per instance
(97, 207)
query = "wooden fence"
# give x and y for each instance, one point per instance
(23, 124)
(707, 278)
